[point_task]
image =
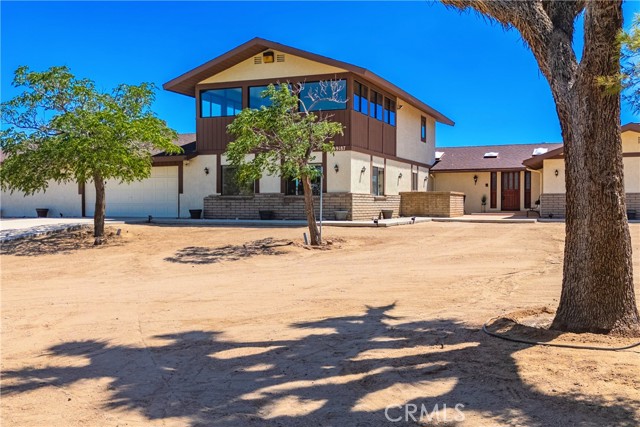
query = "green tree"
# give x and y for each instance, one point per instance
(597, 285)
(283, 136)
(630, 42)
(62, 129)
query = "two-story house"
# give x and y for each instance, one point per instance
(388, 146)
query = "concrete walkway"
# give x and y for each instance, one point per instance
(288, 223)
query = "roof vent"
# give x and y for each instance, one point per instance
(491, 155)
(539, 151)
(280, 57)
(439, 154)
(257, 60)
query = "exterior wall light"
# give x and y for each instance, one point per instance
(557, 172)
(206, 171)
(363, 170)
(267, 57)
(475, 179)
(336, 168)
(400, 175)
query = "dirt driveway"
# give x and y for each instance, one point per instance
(188, 326)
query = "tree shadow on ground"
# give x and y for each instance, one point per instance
(323, 378)
(204, 255)
(63, 242)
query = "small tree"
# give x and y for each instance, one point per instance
(62, 129)
(283, 137)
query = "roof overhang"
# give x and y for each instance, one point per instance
(536, 162)
(187, 82)
(630, 127)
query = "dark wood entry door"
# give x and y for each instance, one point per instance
(510, 191)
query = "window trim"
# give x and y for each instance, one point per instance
(248, 194)
(423, 129)
(375, 171)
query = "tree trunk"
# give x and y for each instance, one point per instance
(98, 215)
(314, 234)
(597, 285)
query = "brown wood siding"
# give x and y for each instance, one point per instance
(375, 135)
(389, 139)
(359, 130)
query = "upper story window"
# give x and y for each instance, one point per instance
(375, 110)
(313, 92)
(360, 98)
(255, 97)
(423, 129)
(220, 102)
(390, 111)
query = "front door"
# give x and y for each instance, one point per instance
(510, 191)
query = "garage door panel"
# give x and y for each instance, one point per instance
(156, 195)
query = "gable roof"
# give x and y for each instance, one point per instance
(186, 83)
(630, 127)
(185, 140)
(458, 159)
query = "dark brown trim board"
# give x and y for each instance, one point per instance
(219, 174)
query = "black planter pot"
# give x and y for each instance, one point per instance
(264, 215)
(195, 213)
(42, 213)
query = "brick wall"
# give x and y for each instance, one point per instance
(359, 206)
(432, 203)
(555, 204)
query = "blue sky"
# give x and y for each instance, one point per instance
(482, 77)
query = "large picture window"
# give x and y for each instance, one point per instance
(314, 90)
(255, 97)
(375, 109)
(360, 98)
(231, 186)
(377, 181)
(220, 102)
(294, 187)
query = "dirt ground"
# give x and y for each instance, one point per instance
(189, 326)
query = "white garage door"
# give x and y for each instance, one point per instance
(156, 195)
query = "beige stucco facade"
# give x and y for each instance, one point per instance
(409, 144)
(291, 67)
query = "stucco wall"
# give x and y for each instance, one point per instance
(631, 142)
(631, 174)
(196, 184)
(360, 182)
(340, 181)
(394, 184)
(552, 183)
(463, 182)
(409, 145)
(58, 198)
(291, 67)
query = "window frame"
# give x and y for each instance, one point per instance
(250, 189)
(362, 93)
(264, 87)
(378, 188)
(211, 116)
(315, 183)
(423, 129)
(389, 111)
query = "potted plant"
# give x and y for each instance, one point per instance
(42, 212)
(484, 202)
(341, 215)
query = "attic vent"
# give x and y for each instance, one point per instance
(539, 151)
(491, 155)
(280, 57)
(257, 60)
(439, 154)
